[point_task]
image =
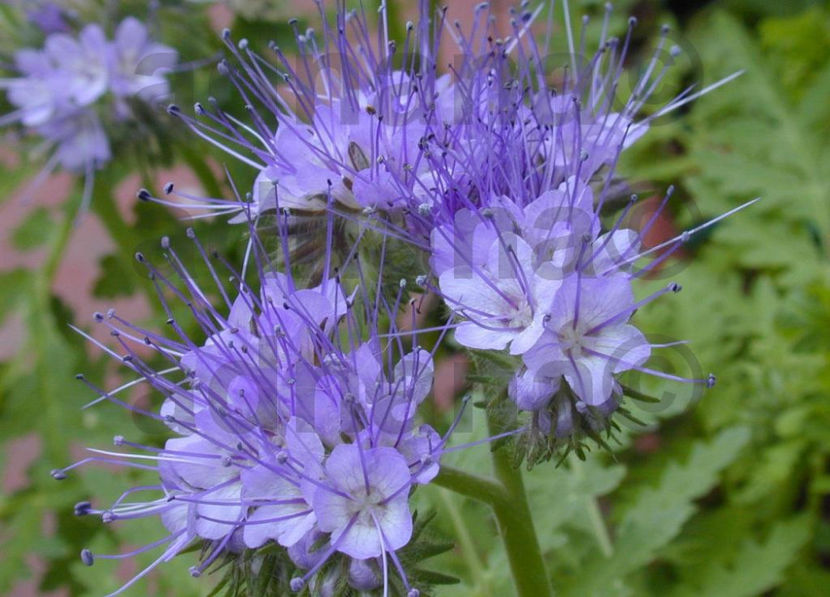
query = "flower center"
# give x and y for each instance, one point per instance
(364, 505)
(522, 317)
(572, 339)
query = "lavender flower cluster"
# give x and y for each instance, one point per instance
(294, 422)
(295, 416)
(65, 90)
(501, 171)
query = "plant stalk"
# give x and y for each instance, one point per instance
(506, 496)
(515, 520)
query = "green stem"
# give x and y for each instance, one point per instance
(506, 496)
(516, 526)
(600, 530)
(471, 485)
(57, 250)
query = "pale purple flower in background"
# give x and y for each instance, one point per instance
(50, 17)
(71, 90)
(78, 65)
(80, 140)
(138, 64)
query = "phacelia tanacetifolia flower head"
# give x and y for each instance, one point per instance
(344, 114)
(73, 88)
(293, 423)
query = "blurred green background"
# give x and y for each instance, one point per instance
(725, 493)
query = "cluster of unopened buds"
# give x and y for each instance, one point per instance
(295, 412)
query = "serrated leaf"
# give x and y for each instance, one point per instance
(575, 486)
(767, 151)
(657, 514)
(757, 567)
(773, 468)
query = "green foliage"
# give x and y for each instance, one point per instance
(760, 287)
(35, 230)
(729, 500)
(657, 514)
(755, 568)
(114, 280)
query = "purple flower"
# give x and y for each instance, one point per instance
(292, 423)
(49, 17)
(532, 392)
(294, 410)
(37, 94)
(72, 89)
(502, 297)
(80, 64)
(210, 481)
(366, 509)
(138, 63)
(80, 141)
(587, 339)
(284, 512)
(344, 124)
(501, 266)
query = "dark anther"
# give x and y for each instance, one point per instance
(82, 508)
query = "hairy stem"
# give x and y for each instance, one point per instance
(515, 520)
(506, 496)
(471, 485)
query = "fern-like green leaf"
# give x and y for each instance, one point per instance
(657, 514)
(756, 568)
